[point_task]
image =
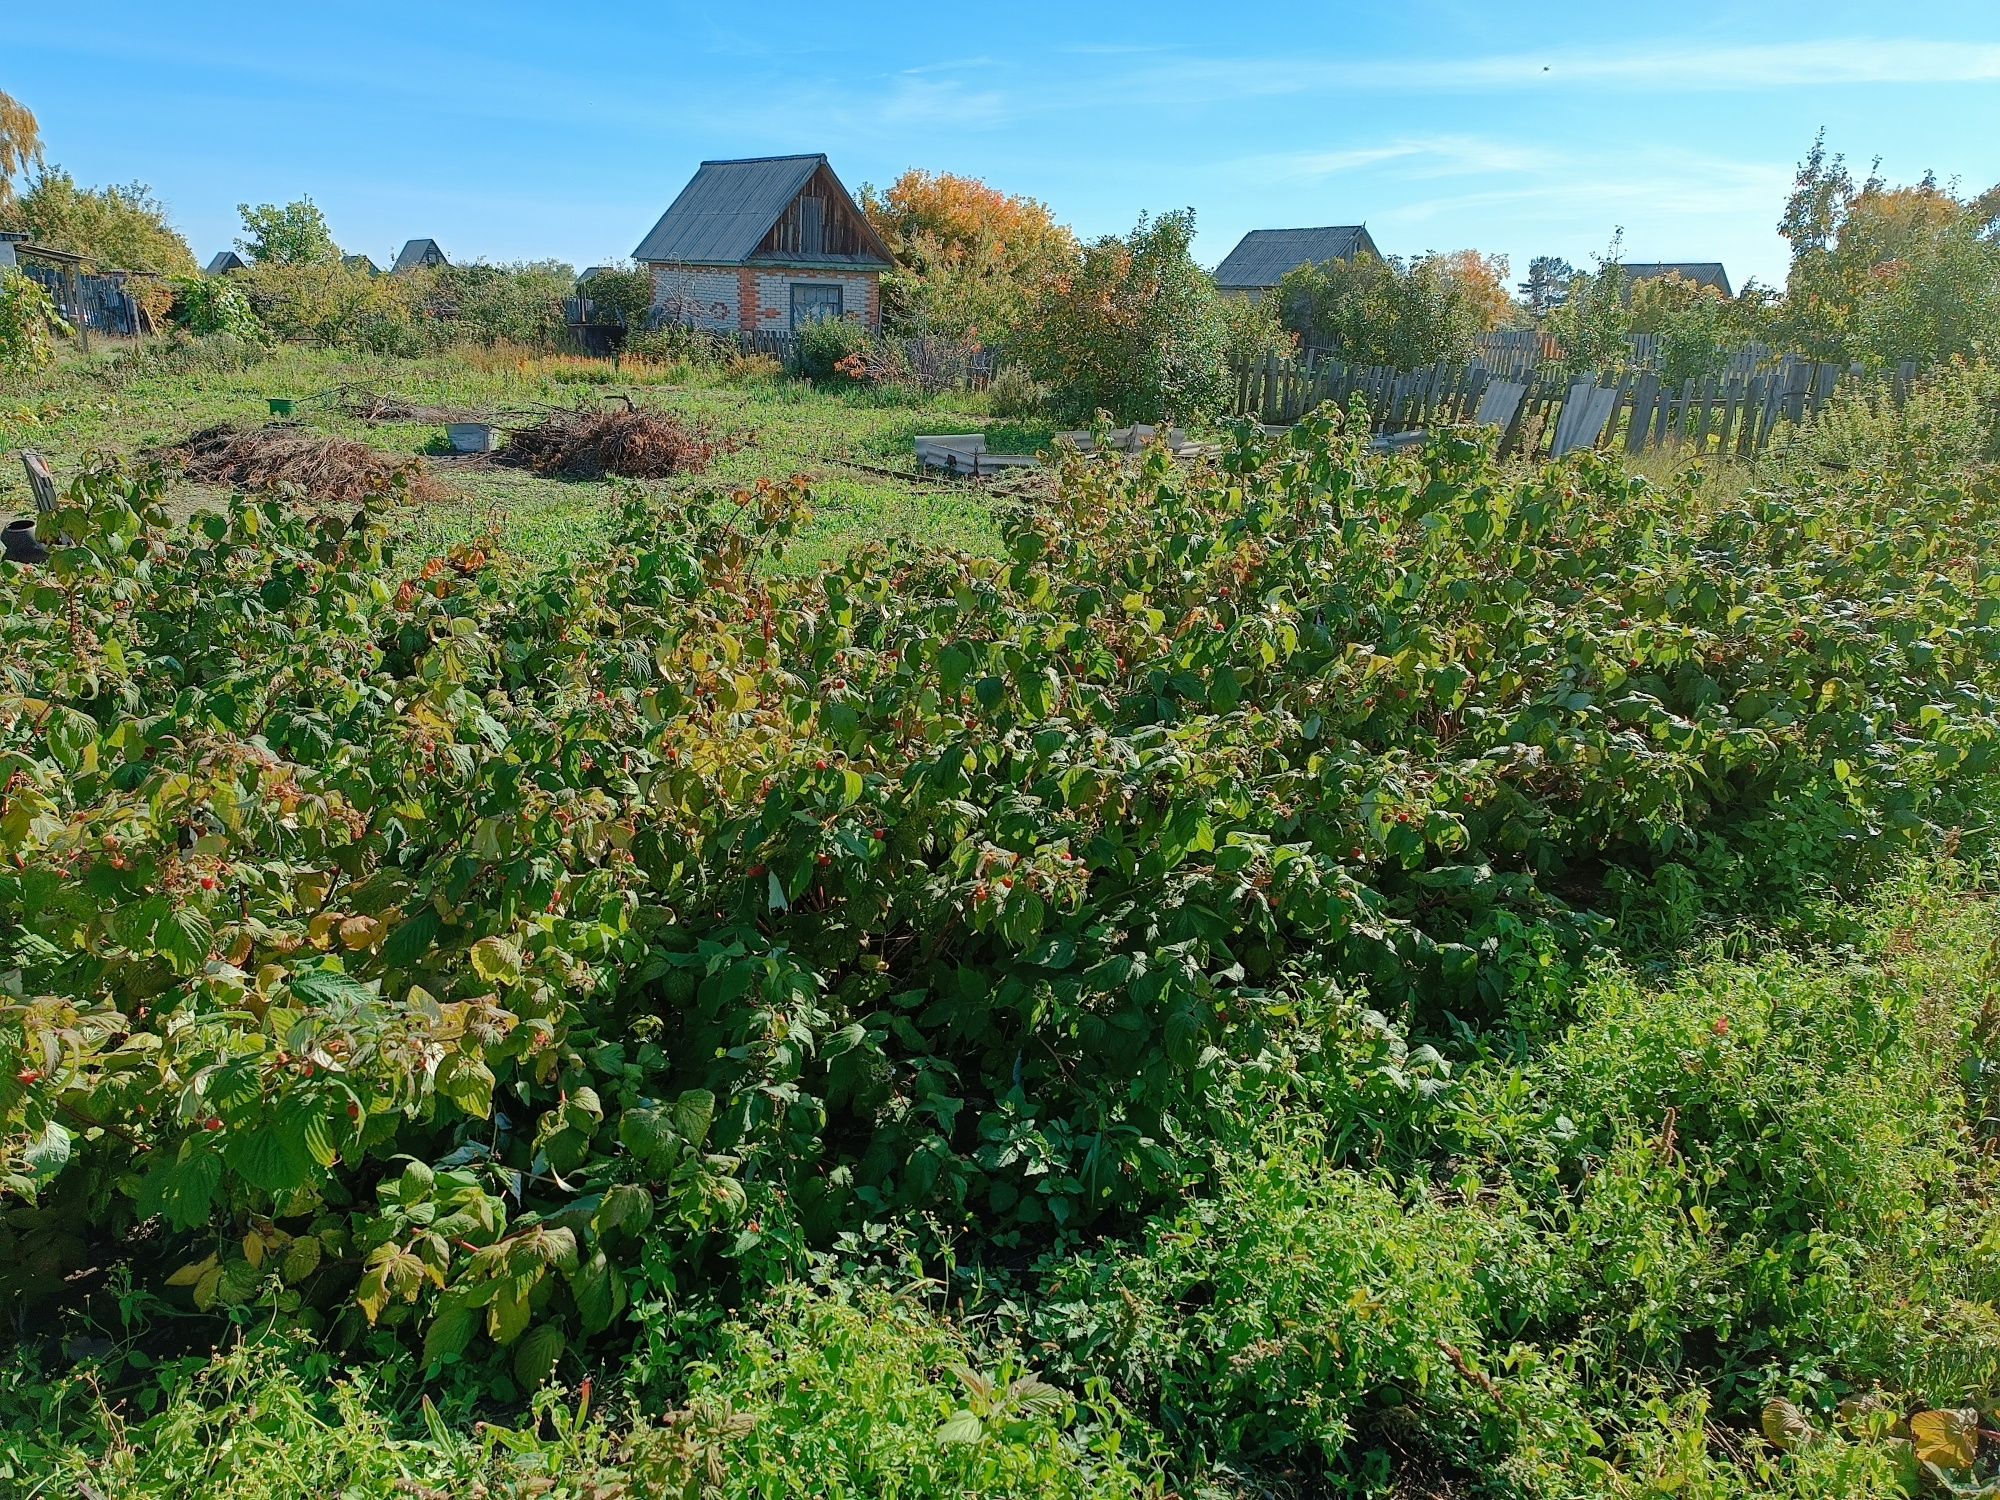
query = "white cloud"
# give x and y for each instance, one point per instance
(1422, 157)
(1683, 67)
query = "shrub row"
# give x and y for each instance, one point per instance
(439, 946)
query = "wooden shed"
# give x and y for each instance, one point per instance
(1263, 256)
(765, 244)
(417, 254)
(1707, 273)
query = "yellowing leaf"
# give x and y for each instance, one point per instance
(496, 960)
(191, 1273)
(358, 934)
(302, 1258)
(1949, 1439)
(1786, 1427)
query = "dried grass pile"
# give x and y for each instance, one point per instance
(633, 444)
(332, 469)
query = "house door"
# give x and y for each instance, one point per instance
(814, 301)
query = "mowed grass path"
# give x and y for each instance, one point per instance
(842, 439)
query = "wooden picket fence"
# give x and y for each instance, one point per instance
(1548, 413)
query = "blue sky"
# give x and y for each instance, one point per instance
(513, 131)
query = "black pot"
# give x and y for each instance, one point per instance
(18, 543)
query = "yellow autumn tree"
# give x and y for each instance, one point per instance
(1484, 278)
(20, 144)
(967, 253)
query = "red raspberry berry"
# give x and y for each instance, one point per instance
(28, 1077)
(211, 1123)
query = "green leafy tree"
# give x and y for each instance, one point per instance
(1591, 325)
(1255, 329)
(477, 303)
(1374, 311)
(1853, 245)
(625, 292)
(214, 305)
(29, 324)
(1549, 277)
(1130, 326)
(20, 144)
(295, 234)
(1690, 319)
(119, 226)
(1939, 301)
(328, 304)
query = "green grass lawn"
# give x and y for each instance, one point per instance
(844, 440)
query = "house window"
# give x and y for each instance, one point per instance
(814, 301)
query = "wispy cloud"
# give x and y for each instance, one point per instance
(1853, 60)
(1417, 157)
(1683, 201)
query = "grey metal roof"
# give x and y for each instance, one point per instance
(224, 260)
(360, 262)
(1704, 272)
(727, 208)
(412, 254)
(1263, 256)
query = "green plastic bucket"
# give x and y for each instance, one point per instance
(283, 406)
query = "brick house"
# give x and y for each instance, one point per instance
(766, 244)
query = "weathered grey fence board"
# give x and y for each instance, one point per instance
(1727, 414)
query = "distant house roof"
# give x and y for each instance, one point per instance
(419, 253)
(1263, 256)
(225, 260)
(1702, 272)
(724, 214)
(361, 263)
(591, 273)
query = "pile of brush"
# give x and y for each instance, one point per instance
(332, 469)
(629, 442)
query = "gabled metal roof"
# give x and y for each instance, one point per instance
(359, 262)
(1263, 256)
(727, 208)
(224, 260)
(412, 255)
(1701, 272)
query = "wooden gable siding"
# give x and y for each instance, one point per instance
(816, 223)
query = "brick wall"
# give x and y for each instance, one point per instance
(753, 299)
(705, 297)
(861, 300)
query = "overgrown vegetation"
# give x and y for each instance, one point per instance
(1187, 944)
(1374, 311)
(29, 324)
(1132, 328)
